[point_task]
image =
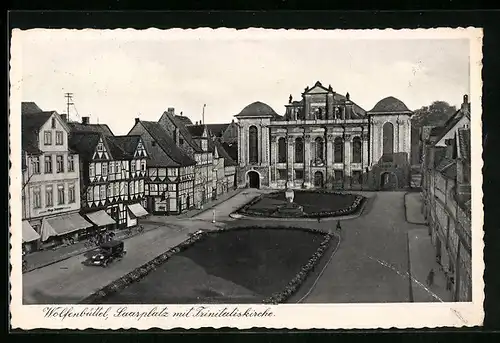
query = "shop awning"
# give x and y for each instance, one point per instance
(100, 218)
(137, 210)
(62, 225)
(29, 234)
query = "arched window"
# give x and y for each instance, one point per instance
(281, 150)
(388, 141)
(356, 150)
(299, 150)
(318, 146)
(338, 147)
(253, 145)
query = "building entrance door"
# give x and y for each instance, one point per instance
(253, 179)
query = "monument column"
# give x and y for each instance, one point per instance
(307, 160)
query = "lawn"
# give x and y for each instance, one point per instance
(314, 203)
(234, 266)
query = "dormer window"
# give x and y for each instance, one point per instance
(153, 143)
(100, 147)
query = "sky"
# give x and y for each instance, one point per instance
(116, 77)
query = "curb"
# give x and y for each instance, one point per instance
(80, 252)
(410, 278)
(213, 205)
(322, 270)
(406, 215)
(358, 213)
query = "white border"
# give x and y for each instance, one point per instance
(303, 316)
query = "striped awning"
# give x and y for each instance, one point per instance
(62, 225)
(29, 234)
(100, 218)
(137, 210)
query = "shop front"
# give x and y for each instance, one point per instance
(63, 229)
(134, 212)
(102, 222)
(30, 237)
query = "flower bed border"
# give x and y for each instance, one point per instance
(358, 201)
(139, 273)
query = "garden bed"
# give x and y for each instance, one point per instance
(239, 265)
(315, 204)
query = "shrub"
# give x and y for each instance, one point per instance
(295, 283)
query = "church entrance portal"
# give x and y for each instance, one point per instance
(253, 179)
(388, 181)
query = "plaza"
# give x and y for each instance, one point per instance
(371, 264)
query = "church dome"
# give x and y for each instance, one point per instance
(257, 109)
(390, 105)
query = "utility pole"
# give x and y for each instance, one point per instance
(203, 115)
(69, 102)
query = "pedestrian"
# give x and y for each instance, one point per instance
(319, 219)
(430, 278)
(339, 228)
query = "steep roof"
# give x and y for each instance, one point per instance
(79, 127)
(84, 143)
(196, 130)
(390, 105)
(257, 109)
(464, 144)
(217, 129)
(450, 124)
(30, 107)
(184, 120)
(231, 149)
(128, 144)
(228, 160)
(30, 128)
(183, 131)
(173, 155)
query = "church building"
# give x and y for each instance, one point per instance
(325, 140)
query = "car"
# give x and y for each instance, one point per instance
(107, 253)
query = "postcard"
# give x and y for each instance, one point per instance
(300, 179)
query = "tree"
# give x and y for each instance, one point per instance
(435, 114)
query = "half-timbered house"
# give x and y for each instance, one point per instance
(203, 188)
(170, 180)
(113, 169)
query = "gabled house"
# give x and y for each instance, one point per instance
(170, 175)
(203, 188)
(50, 180)
(113, 170)
(225, 133)
(447, 199)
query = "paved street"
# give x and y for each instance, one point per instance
(371, 264)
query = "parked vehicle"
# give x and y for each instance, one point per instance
(108, 252)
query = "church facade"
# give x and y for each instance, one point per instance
(325, 140)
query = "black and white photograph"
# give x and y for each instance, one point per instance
(184, 178)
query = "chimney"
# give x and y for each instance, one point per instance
(232, 120)
(347, 96)
(85, 120)
(64, 117)
(137, 120)
(465, 103)
(171, 110)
